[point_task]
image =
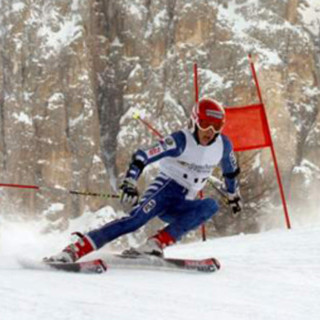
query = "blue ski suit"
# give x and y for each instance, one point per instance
(185, 166)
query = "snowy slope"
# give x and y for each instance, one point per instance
(271, 275)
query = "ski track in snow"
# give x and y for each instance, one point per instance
(271, 275)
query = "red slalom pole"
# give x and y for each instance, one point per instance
(158, 134)
(255, 78)
(196, 98)
(196, 86)
(283, 198)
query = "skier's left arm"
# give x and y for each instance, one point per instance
(230, 170)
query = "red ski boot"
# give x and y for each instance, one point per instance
(153, 246)
(73, 251)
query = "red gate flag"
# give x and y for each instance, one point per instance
(247, 127)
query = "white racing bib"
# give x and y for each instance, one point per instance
(193, 167)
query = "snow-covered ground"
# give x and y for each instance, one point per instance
(271, 275)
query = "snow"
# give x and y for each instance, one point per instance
(27, 95)
(96, 159)
(233, 18)
(68, 33)
(116, 42)
(257, 164)
(135, 8)
(210, 80)
(75, 5)
(22, 118)
(91, 220)
(171, 101)
(160, 19)
(76, 121)
(17, 7)
(308, 169)
(271, 275)
(311, 91)
(310, 12)
(234, 15)
(137, 68)
(53, 208)
(55, 101)
(57, 33)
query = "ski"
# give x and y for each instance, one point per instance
(92, 266)
(158, 263)
(119, 261)
(204, 265)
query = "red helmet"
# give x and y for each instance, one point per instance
(208, 114)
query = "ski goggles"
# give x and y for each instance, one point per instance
(206, 125)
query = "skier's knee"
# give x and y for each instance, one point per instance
(210, 208)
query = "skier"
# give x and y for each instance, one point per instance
(187, 158)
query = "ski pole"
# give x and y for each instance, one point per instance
(213, 183)
(196, 100)
(148, 125)
(21, 186)
(94, 194)
(83, 193)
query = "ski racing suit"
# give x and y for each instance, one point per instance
(185, 166)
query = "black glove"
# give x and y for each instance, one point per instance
(235, 203)
(128, 191)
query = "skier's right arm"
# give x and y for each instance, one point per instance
(171, 146)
